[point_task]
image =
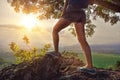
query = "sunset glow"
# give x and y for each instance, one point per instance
(29, 21)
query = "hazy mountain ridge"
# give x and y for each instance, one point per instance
(11, 26)
(4, 42)
(110, 48)
(105, 48)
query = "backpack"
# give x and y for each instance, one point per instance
(79, 3)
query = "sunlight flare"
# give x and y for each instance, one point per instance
(29, 21)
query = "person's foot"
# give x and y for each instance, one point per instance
(87, 70)
(54, 54)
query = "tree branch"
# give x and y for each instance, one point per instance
(108, 5)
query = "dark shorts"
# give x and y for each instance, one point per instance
(75, 16)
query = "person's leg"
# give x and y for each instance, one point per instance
(85, 47)
(62, 23)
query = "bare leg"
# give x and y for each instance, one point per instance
(61, 24)
(85, 47)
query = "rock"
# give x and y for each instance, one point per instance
(50, 67)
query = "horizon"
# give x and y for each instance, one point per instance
(105, 33)
(38, 40)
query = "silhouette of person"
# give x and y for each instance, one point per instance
(74, 13)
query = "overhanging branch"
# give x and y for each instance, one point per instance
(108, 5)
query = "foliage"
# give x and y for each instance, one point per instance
(72, 59)
(22, 55)
(118, 65)
(72, 31)
(47, 9)
(26, 40)
(1, 60)
(50, 67)
(106, 14)
(90, 28)
(3, 63)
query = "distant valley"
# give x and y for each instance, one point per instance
(108, 48)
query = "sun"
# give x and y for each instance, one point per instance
(29, 21)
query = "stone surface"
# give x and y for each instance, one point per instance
(52, 67)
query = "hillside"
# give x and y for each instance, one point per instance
(103, 48)
(51, 67)
(110, 48)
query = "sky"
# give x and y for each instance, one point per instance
(104, 33)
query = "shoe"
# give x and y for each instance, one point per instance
(54, 54)
(90, 71)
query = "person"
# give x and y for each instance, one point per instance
(74, 13)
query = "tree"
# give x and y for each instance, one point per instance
(47, 9)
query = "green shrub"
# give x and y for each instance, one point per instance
(22, 55)
(118, 65)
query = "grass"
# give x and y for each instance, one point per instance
(100, 60)
(104, 60)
